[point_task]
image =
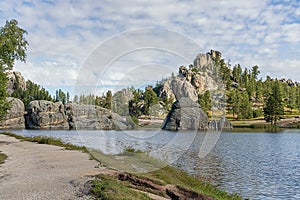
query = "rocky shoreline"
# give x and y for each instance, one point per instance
(42, 114)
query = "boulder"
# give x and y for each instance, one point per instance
(93, 117)
(186, 115)
(42, 114)
(14, 119)
(219, 125)
(15, 81)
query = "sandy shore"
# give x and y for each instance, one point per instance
(35, 171)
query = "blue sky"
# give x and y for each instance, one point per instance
(63, 34)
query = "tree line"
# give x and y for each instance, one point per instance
(248, 96)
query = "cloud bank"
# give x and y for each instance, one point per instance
(62, 34)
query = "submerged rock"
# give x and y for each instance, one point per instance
(14, 119)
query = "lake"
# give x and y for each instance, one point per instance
(254, 165)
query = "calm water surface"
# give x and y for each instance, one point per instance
(255, 165)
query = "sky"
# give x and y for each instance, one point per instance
(109, 44)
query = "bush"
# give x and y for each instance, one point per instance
(257, 113)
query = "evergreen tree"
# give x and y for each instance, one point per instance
(108, 100)
(75, 99)
(274, 105)
(245, 110)
(205, 101)
(150, 98)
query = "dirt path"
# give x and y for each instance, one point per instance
(34, 171)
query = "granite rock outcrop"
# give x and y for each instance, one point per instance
(14, 119)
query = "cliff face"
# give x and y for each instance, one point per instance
(48, 115)
(185, 88)
(15, 79)
(178, 87)
(194, 81)
(14, 118)
(93, 118)
(43, 114)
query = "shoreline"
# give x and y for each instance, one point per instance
(168, 174)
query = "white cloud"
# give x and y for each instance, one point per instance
(63, 33)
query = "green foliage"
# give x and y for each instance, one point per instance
(108, 187)
(4, 105)
(13, 46)
(150, 98)
(2, 157)
(170, 175)
(135, 109)
(258, 113)
(47, 140)
(32, 92)
(205, 101)
(62, 97)
(274, 106)
(108, 100)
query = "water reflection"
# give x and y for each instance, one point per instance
(255, 165)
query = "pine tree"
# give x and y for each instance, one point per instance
(274, 105)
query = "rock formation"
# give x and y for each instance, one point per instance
(199, 78)
(206, 61)
(185, 88)
(93, 117)
(15, 79)
(14, 118)
(178, 87)
(186, 114)
(43, 114)
(221, 124)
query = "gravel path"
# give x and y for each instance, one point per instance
(36, 171)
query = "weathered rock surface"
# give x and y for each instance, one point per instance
(186, 114)
(205, 61)
(15, 79)
(178, 87)
(43, 114)
(221, 124)
(14, 118)
(93, 117)
(193, 81)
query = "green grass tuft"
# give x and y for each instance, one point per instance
(2, 158)
(47, 140)
(171, 175)
(109, 188)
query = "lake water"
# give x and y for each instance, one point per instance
(254, 165)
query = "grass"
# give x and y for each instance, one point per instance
(2, 158)
(109, 188)
(130, 160)
(257, 127)
(171, 175)
(47, 140)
